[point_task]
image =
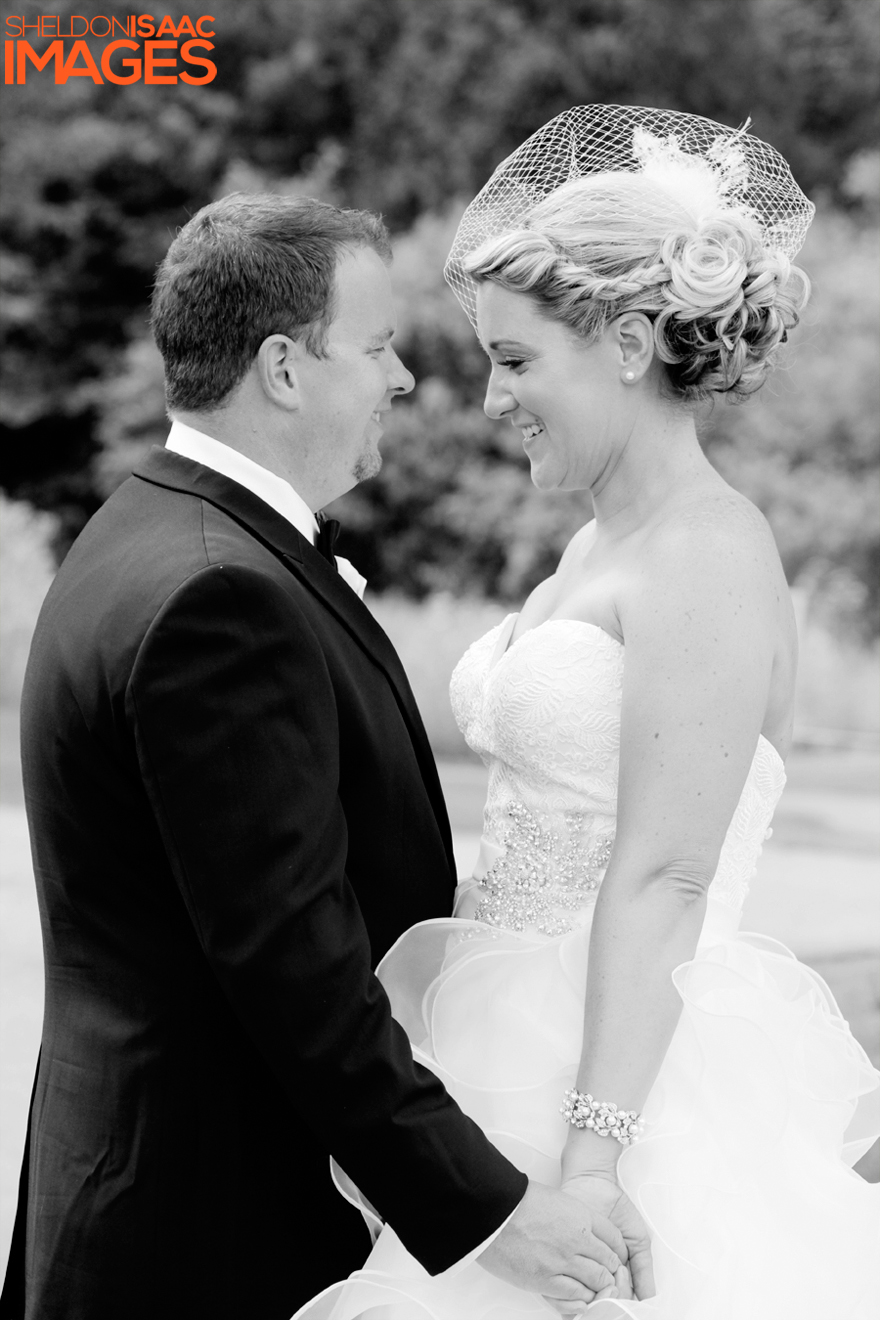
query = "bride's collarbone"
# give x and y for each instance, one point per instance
(592, 604)
(588, 586)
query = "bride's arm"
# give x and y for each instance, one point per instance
(701, 630)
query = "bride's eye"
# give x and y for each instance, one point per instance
(512, 363)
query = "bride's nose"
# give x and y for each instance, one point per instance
(498, 401)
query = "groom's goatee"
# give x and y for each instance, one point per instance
(368, 465)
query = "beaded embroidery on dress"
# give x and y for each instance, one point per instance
(544, 714)
(751, 1218)
(552, 758)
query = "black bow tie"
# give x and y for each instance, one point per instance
(328, 530)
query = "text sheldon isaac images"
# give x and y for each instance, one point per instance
(135, 48)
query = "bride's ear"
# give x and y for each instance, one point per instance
(277, 364)
(633, 336)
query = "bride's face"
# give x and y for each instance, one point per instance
(565, 396)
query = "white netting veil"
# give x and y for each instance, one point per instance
(711, 169)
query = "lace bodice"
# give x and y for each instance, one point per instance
(544, 714)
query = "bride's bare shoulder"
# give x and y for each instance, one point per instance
(579, 543)
(710, 548)
(721, 520)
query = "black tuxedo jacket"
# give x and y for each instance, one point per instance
(234, 812)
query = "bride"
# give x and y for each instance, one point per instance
(592, 1004)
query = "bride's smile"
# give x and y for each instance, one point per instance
(564, 395)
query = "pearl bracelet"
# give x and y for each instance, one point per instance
(605, 1119)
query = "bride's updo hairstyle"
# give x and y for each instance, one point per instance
(719, 301)
(695, 228)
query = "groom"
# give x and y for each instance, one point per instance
(234, 813)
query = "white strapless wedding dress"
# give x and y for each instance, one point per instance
(764, 1099)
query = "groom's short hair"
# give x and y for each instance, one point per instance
(243, 268)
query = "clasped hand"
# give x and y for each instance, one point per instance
(574, 1246)
(602, 1194)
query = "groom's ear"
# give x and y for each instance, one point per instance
(277, 367)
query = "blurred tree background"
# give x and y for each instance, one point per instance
(405, 106)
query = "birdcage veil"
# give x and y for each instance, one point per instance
(707, 164)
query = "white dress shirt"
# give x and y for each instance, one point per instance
(271, 489)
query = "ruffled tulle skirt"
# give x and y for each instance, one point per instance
(743, 1175)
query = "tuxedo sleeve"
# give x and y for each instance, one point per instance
(237, 737)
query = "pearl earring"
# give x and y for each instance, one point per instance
(629, 375)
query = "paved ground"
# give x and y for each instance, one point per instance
(818, 890)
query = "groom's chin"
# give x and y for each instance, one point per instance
(367, 465)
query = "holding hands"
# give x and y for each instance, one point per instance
(601, 1193)
(573, 1246)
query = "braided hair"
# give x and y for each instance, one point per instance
(719, 299)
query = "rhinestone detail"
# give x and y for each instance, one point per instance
(604, 1118)
(540, 871)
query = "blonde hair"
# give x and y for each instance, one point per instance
(604, 244)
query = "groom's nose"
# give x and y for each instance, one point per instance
(400, 378)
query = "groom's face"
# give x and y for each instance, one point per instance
(347, 391)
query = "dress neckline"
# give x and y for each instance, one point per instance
(504, 646)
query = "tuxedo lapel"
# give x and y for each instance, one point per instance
(323, 581)
(163, 467)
